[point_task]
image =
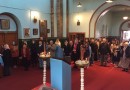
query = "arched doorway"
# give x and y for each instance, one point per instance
(108, 24)
(9, 26)
(103, 8)
(125, 30)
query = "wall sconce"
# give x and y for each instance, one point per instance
(35, 19)
(78, 23)
(79, 4)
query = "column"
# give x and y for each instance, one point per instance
(67, 18)
(52, 17)
(59, 18)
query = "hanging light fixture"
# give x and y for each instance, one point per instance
(125, 17)
(109, 1)
(79, 4)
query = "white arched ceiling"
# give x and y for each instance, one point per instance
(100, 10)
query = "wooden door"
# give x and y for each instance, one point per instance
(79, 35)
(8, 38)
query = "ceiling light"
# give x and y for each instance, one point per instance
(79, 5)
(125, 17)
(109, 1)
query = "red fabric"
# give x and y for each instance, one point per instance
(96, 77)
(15, 53)
(72, 64)
(75, 47)
(27, 53)
(36, 88)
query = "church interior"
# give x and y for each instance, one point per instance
(65, 45)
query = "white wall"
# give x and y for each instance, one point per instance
(12, 25)
(104, 25)
(64, 18)
(126, 25)
(83, 14)
(117, 21)
(23, 11)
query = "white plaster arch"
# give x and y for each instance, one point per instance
(15, 19)
(125, 26)
(99, 11)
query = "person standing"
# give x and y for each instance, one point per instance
(87, 54)
(59, 52)
(33, 51)
(6, 56)
(76, 51)
(104, 51)
(15, 55)
(82, 49)
(66, 48)
(57, 42)
(115, 55)
(25, 54)
(121, 51)
(94, 48)
(71, 46)
(126, 57)
(51, 48)
(40, 49)
(1, 67)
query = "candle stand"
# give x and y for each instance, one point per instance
(44, 58)
(81, 64)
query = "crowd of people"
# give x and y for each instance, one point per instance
(118, 53)
(27, 55)
(114, 52)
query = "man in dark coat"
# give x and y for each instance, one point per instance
(94, 48)
(104, 50)
(33, 51)
(40, 49)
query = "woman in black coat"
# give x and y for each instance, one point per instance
(6, 55)
(33, 51)
(66, 48)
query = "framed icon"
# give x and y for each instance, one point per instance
(48, 30)
(35, 31)
(26, 32)
(5, 24)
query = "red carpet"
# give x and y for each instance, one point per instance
(96, 78)
(103, 78)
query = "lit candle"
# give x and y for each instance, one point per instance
(49, 53)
